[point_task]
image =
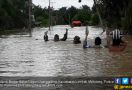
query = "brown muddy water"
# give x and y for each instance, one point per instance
(21, 55)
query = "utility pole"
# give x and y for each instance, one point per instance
(30, 20)
(49, 17)
(69, 19)
(50, 14)
(52, 7)
(97, 9)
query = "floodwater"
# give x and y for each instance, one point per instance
(21, 55)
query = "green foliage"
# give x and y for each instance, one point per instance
(41, 15)
(65, 15)
(72, 11)
(45, 22)
(12, 14)
(84, 14)
(116, 13)
(95, 19)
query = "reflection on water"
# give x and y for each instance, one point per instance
(31, 56)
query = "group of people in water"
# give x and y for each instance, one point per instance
(115, 35)
(56, 37)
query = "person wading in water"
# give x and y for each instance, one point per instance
(65, 35)
(46, 36)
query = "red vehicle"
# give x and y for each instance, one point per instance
(76, 23)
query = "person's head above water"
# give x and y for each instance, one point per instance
(56, 37)
(66, 29)
(98, 41)
(46, 32)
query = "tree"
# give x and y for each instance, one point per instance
(12, 14)
(84, 14)
(41, 15)
(115, 12)
(95, 19)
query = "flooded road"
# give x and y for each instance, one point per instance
(31, 56)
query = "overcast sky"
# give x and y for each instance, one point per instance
(63, 3)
